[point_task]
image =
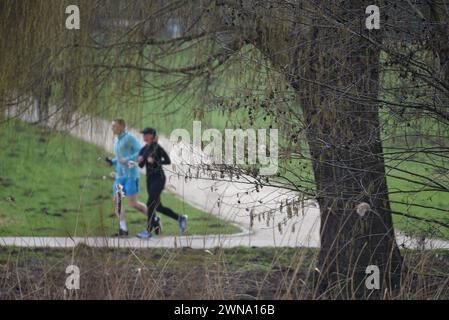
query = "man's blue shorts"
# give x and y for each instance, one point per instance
(130, 186)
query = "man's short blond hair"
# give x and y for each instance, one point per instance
(121, 122)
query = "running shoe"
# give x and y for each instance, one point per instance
(158, 226)
(121, 233)
(145, 234)
(182, 223)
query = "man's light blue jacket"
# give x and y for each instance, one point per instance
(126, 146)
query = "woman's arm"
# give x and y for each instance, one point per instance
(165, 159)
(141, 158)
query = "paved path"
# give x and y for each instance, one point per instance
(195, 242)
(231, 201)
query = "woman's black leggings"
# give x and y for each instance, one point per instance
(155, 185)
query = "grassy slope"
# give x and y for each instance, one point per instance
(60, 188)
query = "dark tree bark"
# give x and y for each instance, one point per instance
(346, 150)
(336, 79)
(439, 44)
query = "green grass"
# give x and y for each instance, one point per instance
(53, 185)
(243, 258)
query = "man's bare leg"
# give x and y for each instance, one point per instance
(116, 211)
(120, 213)
(133, 202)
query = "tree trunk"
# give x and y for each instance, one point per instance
(356, 226)
(338, 98)
(439, 44)
(335, 73)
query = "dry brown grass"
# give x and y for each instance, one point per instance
(242, 273)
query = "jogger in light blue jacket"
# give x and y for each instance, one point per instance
(126, 148)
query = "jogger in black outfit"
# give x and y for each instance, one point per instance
(153, 157)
